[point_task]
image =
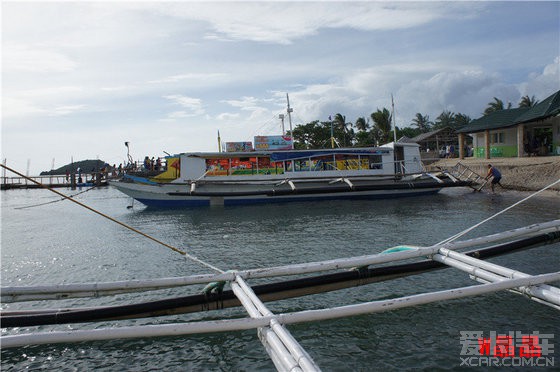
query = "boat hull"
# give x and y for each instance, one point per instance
(185, 195)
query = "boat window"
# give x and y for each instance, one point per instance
(263, 165)
(375, 162)
(238, 166)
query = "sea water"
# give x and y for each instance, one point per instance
(62, 242)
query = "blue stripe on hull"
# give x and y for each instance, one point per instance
(174, 203)
(154, 203)
(329, 197)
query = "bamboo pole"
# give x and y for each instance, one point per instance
(501, 270)
(492, 273)
(19, 293)
(178, 329)
(302, 358)
(274, 347)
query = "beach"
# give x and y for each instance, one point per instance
(521, 174)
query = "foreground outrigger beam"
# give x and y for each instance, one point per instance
(287, 318)
(214, 297)
(285, 352)
(65, 291)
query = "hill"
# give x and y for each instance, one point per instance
(87, 166)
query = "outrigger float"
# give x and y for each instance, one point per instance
(285, 352)
(224, 178)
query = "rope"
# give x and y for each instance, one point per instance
(115, 221)
(456, 236)
(56, 201)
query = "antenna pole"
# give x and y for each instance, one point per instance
(394, 121)
(281, 117)
(290, 110)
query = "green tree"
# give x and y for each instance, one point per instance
(344, 127)
(461, 120)
(363, 137)
(312, 135)
(445, 119)
(422, 122)
(362, 125)
(528, 102)
(408, 132)
(497, 105)
(381, 125)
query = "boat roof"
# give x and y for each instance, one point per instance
(289, 154)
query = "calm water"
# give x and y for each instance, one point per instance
(64, 243)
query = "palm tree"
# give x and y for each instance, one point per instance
(445, 119)
(361, 124)
(422, 122)
(382, 124)
(462, 120)
(340, 122)
(497, 105)
(528, 102)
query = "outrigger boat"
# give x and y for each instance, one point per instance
(225, 178)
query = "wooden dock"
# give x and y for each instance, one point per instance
(54, 181)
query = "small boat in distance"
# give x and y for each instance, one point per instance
(269, 176)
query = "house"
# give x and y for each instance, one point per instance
(437, 139)
(516, 132)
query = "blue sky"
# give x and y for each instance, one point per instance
(81, 78)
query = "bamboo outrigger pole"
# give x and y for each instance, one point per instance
(176, 329)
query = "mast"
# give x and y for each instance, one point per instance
(281, 117)
(332, 132)
(290, 110)
(394, 121)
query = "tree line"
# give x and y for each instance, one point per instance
(377, 128)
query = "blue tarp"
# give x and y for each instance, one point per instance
(140, 179)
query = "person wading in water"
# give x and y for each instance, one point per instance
(496, 176)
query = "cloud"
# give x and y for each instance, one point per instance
(191, 67)
(194, 105)
(466, 92)
(201, 77)
(66, 110)
(178, 115)
(245, 103)
(17, 107)
(27, 59)
(284, 22)
(118, 88)
(227, 116)
(541, 85)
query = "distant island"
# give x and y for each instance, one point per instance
(86, 166)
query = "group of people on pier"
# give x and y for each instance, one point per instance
(152, 164)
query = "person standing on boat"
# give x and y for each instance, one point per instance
(496, 176)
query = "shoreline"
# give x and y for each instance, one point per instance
(528, 174)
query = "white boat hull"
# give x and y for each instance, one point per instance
(184, 195)
(283, 176)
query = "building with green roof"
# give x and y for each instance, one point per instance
(516, 132)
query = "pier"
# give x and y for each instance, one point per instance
(53, 181)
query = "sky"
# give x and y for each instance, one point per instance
(81, 78)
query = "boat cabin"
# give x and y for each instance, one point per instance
(388, 160)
